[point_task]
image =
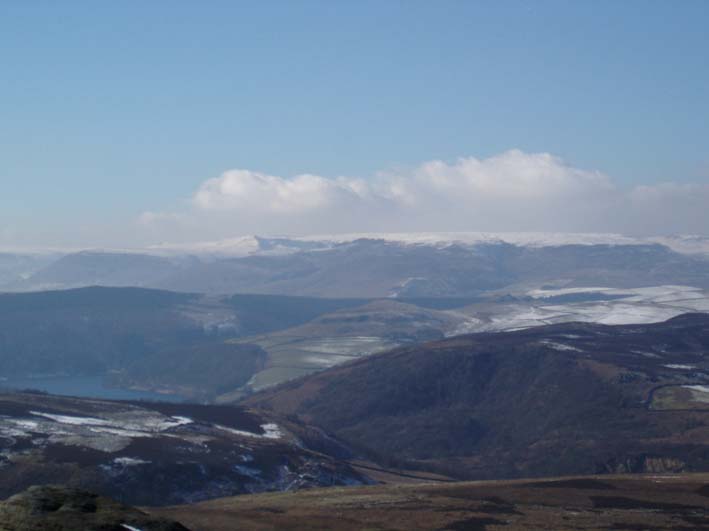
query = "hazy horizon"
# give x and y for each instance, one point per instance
(129, 125)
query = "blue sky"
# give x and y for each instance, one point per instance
(112, 109)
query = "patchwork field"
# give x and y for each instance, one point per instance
(293, 356)
(681, 397)
(612, 306)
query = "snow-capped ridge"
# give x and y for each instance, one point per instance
(257, 245)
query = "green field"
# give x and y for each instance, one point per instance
(291, 356)
(681, 397)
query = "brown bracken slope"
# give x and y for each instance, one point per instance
(649, 503)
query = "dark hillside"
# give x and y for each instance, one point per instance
(260, 314)
(200, 371)
(561, 399)
(89, 330)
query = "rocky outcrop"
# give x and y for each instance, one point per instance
(64, 509)
(640, 464)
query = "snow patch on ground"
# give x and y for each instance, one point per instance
(545, 293)
(25, 424)
(270, 431)
(679, 366)
(130, 461)
(646, 354)
(700, 388)
(73, 421)
(664, 293)
(620, 314)
(132, 427)
(560, 346)
(120, 432)
(700, 393)
(323, 361)
(176, 421)
(632, 306)
(469, 325)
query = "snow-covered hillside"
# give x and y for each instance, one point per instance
(256, 245)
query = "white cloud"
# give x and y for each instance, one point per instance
(253, 191)
(513, 174)
(513, 191)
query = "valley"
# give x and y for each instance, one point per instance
(556, 400)
(443, 362)
(150, 343)
(374, 266)
(172, 346)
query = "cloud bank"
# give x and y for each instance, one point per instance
(513, 191)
